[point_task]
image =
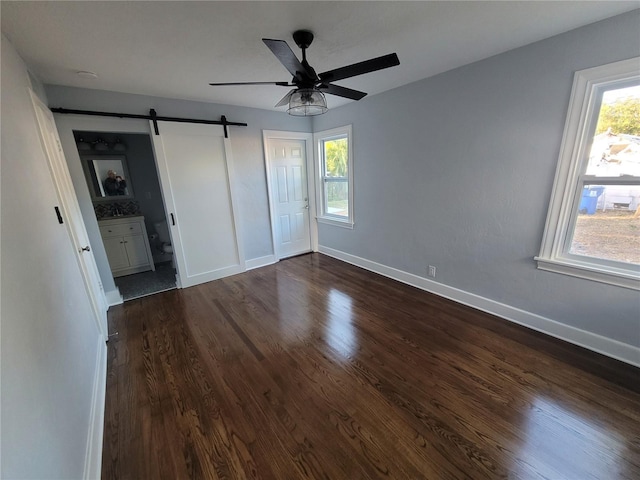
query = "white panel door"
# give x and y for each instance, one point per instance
(289, 197)
(195, 171)
(70, 211)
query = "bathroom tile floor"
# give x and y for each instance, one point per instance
(147, 283)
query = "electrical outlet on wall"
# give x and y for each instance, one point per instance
(432, 271)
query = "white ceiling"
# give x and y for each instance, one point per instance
(174, 49)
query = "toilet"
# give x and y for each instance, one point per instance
(163, 235)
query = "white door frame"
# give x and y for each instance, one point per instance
(66, 125)
(308, 139)
(72, 215)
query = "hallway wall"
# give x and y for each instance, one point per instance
(50, 345)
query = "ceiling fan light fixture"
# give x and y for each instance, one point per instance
(307, 102)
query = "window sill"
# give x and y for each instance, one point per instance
(335, 222)
(589, 271)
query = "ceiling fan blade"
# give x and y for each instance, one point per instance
(342, 91)
(361, 68)
(285, 99)
(281, 84)
(281, 49)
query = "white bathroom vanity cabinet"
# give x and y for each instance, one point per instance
(127, 245)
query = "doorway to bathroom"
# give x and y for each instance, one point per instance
(121, 175)
(147, 283)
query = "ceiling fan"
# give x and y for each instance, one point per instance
(307, 98)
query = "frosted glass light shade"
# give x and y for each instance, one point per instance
(82, 145)
(119, 146)
(307, 102)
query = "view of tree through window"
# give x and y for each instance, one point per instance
(607, 224)
(336, 164)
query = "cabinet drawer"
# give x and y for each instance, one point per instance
(121, 229)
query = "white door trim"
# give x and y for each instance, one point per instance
(72, 215)
(66, 125)
(235, 200)
(308, 139)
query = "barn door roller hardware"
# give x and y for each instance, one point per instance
(154, 117)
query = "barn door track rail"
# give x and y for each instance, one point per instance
(154, 117)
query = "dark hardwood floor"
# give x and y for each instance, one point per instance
(313, 368)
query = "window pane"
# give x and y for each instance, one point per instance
(615, 149)
(335, 176)
(594, 217)
(337, 198)
(607, 226)
(336, 157)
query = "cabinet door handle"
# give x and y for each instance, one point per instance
(173, 220)
(85, 249)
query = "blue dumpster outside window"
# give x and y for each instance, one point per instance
(589, 201)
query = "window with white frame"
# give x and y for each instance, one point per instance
(593, 223)
(335, 176)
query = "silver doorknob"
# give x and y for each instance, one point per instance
(85, 249)
(307, 207)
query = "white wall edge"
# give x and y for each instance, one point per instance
(113, 297)
(93, 455)
(260, 262)
(591, 341)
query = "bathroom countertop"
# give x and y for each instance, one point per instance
(120, 217)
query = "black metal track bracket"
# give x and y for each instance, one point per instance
(154, 119)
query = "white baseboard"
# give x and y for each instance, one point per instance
(592, 341)
(113, 297)
(260, 262)
(93, 454)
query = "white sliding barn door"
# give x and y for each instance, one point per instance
(196, 175)
(70, 212)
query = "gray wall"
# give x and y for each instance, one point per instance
(144, 178)
(456, 171)
(49, 339)
(453, 171)
(247, 148)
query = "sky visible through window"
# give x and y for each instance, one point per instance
(612, 95)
